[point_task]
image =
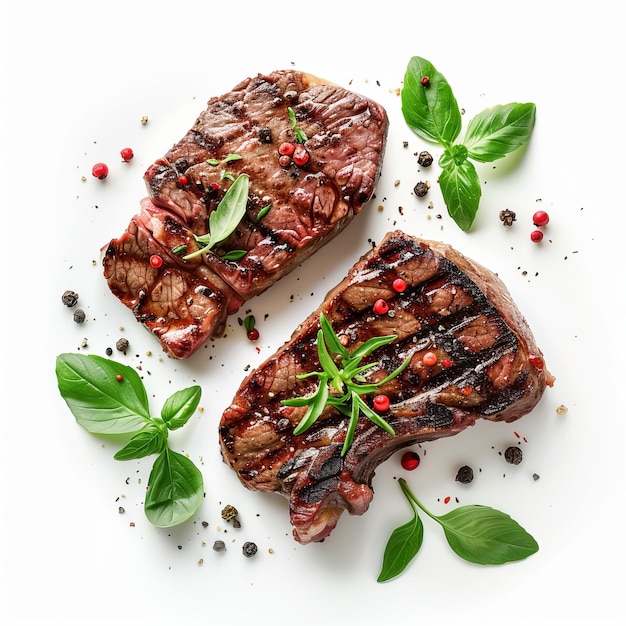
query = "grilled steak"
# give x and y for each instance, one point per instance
(185, 303)
(488, 366)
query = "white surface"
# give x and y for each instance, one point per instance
(76, 79)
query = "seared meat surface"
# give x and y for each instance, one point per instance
(187, 302)
(488, 366)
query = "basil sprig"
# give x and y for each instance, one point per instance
(109, 398)
(432, 112)
(478, 534)
(342, 387)
(225, 218)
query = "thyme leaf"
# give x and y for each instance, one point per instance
(342, 387)
(300, 134)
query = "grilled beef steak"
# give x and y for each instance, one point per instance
(313, 196)
(487, 366)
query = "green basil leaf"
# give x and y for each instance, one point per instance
(483, 535)
(230, 211)
(144, 443)
(499, 130)
(180, 406)
(100, 403)
(175, 490)
(461, 192)
(432, 111)
(404, 543)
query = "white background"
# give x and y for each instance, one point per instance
(76, 79)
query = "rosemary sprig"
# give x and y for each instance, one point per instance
(343, 387)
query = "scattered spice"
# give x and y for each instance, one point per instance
(561, 409)
(219, 546)
(410, 460)
(541, 218)
(144, 120)
(109, 351)
(421, 189)
(507, 217)
(249, 549)
(265, 135)
(229, 512)
(513, 455)
(69, 298)
(100, 171)
(122, 345)
(465, 475)
(381, 306)
(127, 154)
(425, 158)
(429, 359)
(381, 403)
(79, 316)
(536, 236)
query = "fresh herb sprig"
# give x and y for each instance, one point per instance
(225, 219)
(300, 134)
(432, 112)
(342, 387)
(109, 398)
(478, 534)
(225, 161)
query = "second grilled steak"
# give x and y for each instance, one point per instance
(487, 366)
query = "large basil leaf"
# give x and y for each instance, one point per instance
(100, 402)
(461, 192)
(501, 129)
(430, 111)
(175, 490)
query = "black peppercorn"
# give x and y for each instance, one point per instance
(421, 189)
(513, 455)
(219, 546)
(465, 475)
(69, 298)
(122, 344)
(249, 549)
(265, 135)
(425, 159)
(79, 316)
(507, 217)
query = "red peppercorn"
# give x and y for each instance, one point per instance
(410, 460)
(284, 160)
(446, 362)
(429, 359)
(156, 261)
(381, 307)
(466, 391)
(253, 334)
(119, 378)
(100, 170)
(182, 180)
(381, 403)
(286, 148)
(399, 285)
(425, 81)
(541, 218)
(127, 154)
(300, 155)
(536, 236)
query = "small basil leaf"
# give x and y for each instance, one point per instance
(234, 255)
(501, 129)
(430, 111)
(403, 545)
(144, 443)
(461, 192)
(100, 402)
(175, 490)
(483, 535)
(180, 406)
(230, 211)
